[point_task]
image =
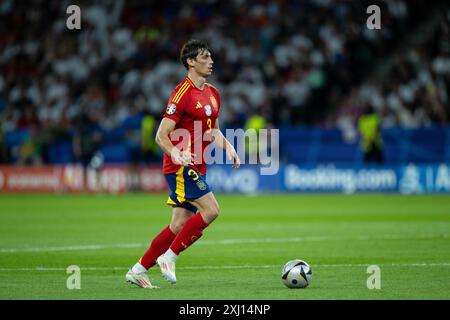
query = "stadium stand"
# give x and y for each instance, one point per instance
(310, 68)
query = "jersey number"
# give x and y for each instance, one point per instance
(208, 123)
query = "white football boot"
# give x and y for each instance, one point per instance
(140, 279)
(167, 266)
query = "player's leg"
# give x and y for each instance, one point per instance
(207, 206)
(191, 190)
(179, 217)
(160, 244)
(189, 233)
(193, 229)
(164, 239)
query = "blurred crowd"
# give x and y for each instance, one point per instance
(415, 93)
(293, 62)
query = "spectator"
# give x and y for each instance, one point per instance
(371, 140)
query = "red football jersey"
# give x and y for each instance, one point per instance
(189, 105)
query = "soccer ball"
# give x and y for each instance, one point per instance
(296, 274)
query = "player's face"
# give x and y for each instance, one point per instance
(203, 64)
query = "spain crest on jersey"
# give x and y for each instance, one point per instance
(213, 102)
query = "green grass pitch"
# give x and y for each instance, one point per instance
(240, 255)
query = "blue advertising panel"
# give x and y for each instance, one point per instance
(409, 179)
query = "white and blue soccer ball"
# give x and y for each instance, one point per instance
(296, 274)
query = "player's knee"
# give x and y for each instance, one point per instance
(177, 225)
(212, 212)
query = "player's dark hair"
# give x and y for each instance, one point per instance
(191, 49)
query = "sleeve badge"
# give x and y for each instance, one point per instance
(171, 108)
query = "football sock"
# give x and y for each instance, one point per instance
(191, 231)
(170, 255)
(158, 246)
(138, 268)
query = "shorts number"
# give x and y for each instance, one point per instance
(192, 172)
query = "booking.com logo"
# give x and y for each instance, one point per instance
(255, 147)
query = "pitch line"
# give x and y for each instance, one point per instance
(73, 248)
(344, 265)
(226, 242)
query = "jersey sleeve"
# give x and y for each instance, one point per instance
(216, 95)
(175, 107)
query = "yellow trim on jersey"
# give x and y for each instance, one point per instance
(179, 190)
(191, 82)
(181, 93)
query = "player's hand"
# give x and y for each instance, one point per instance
(232, 155)
(182, 157)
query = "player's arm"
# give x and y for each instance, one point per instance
(163, 140)
(221, 142)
